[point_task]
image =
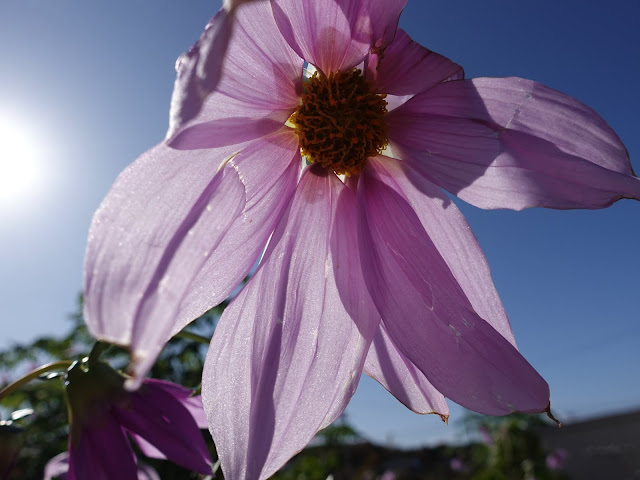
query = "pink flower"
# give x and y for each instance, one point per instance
(388, 475)
(457, 465)
(557, 459)
(162, 418)
(379, 272)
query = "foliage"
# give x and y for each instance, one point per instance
(44, 433)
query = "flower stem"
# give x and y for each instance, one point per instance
(12, 387)
(215, 467)
(193, 336)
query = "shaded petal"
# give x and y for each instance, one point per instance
(193, 403)
(152, 233)
(395, 372)
(383, 17)
(145, 472)
(198, 70)
(147, 448)
(269, 169)
(156, 415)
(260, 69)
(427, 314)
(58, 468)
(287, 354)
(195, 408)
(258, 78)
(513, 143)
(452, 236)
(408, 68)
(323, 32)
(101, 453)
(223, 132)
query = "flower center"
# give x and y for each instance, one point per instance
(341, 121)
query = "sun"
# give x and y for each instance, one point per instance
(19, 157)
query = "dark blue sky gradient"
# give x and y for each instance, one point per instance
(93, 81)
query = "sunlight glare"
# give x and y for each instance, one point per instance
(19, 169)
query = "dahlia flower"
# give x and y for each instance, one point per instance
(328, 140)
(161, 417)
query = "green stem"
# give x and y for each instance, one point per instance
(63, 364)
(193, 336)
(215, 467)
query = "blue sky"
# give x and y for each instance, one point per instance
(88, 84)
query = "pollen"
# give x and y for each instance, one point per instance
(340, 121)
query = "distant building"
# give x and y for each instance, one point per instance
(600, 448)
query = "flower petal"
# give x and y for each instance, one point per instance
(452, 236)
(145, 472)
(101, 453)
(224, 131)
(163, 216)
(395, 372)
(287, 354)
(193, 403)
(268, 71)
(57, 467)
(158, 416)
(383, 17)
(513, 143)
(147, 448)
(408, 68)
(265, 75)
(198, 70)
(269, 169)
(323, 32)
(428, 315)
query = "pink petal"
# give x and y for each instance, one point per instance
(145, 472)
(149, 204)
(147, 448)
(260, 69)
(513, 143)
(255, 80)
(287, 354)
(408, 68)
(452, 236)
(198, 70)
(323, 32)
(269, 170)
(151, 235)
(383, 17)
(395, 372)
(101, 453)
(196, 410)
(193, 403)
(428, 315)
(224, 131)
(57, 467)
(156, 415)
